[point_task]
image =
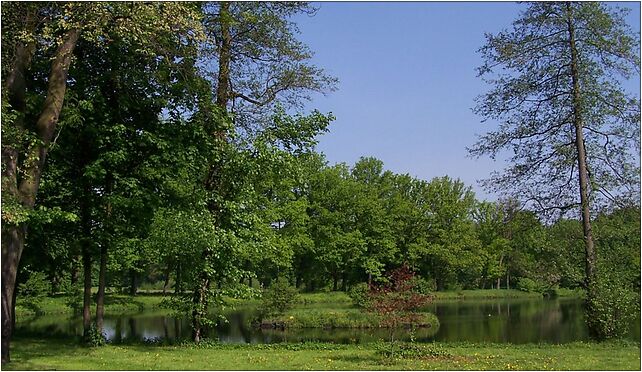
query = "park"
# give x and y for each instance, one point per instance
(320, 186)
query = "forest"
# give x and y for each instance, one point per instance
(163, 148)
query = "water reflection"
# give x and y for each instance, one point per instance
(514, 321)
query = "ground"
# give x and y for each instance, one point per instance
(32, 354)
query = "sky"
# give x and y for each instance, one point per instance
(408, 82)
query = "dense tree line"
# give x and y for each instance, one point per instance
(146, 142)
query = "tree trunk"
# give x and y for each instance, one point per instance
(133, 287)
(13, 235)
(200, 308)
(589, 248)
(48, 119)
(213, 183)
(86, 252)
(25, 193)
(225, 48)
(13, 238)
(166, 283)
(100, 298)
(86, 303)
(178, 288)
(499, 278)
(73, 275)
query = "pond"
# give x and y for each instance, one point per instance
(505, 320)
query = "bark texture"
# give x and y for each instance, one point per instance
(25, 189)
(589, 246)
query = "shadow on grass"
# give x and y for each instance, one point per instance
(372, 358)
(116, 301)
(25, 349)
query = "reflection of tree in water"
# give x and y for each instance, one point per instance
(118, 334)
(515, 321)
(165, 328)
(132, 328)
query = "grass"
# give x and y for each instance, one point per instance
(472, 294)
(316, 317)
(32, 354)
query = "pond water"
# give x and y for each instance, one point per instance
(506, 320)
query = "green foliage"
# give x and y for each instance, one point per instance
(423, 286)
(532, 96)
(74, 298)
(530, 285)
(612, 308)
(95, 338)
(359, 294)
(34, 290)
(279, 297)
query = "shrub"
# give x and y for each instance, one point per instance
(397, 301)
(423, 286)
(95, 338)
(359, 295)
(278, 298)
(529, 285)
(612, 309)
(74, 298)
(34, 290)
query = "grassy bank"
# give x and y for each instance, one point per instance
(123, 304)
(472, 294)
(320, 317)
(114, 304)
(31, 354)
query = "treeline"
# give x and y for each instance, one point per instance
(331, 227)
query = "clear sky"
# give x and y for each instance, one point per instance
(408, 81)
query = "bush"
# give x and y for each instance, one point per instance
(74, 298)
(278, 298)
(423, 286)
(34, 290)
(612, 309)
(359, 294)
(95, 338)
(529, 285)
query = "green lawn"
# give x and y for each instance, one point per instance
(31, 354)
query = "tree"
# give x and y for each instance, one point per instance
(255, 42)
(260, 62)
(46, 36)
(397, 300)
(448, 249)
(557, 94)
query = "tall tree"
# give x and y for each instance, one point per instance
(562, 110)
(258, 60)
(51, 32)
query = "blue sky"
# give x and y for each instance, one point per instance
(408, 82)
